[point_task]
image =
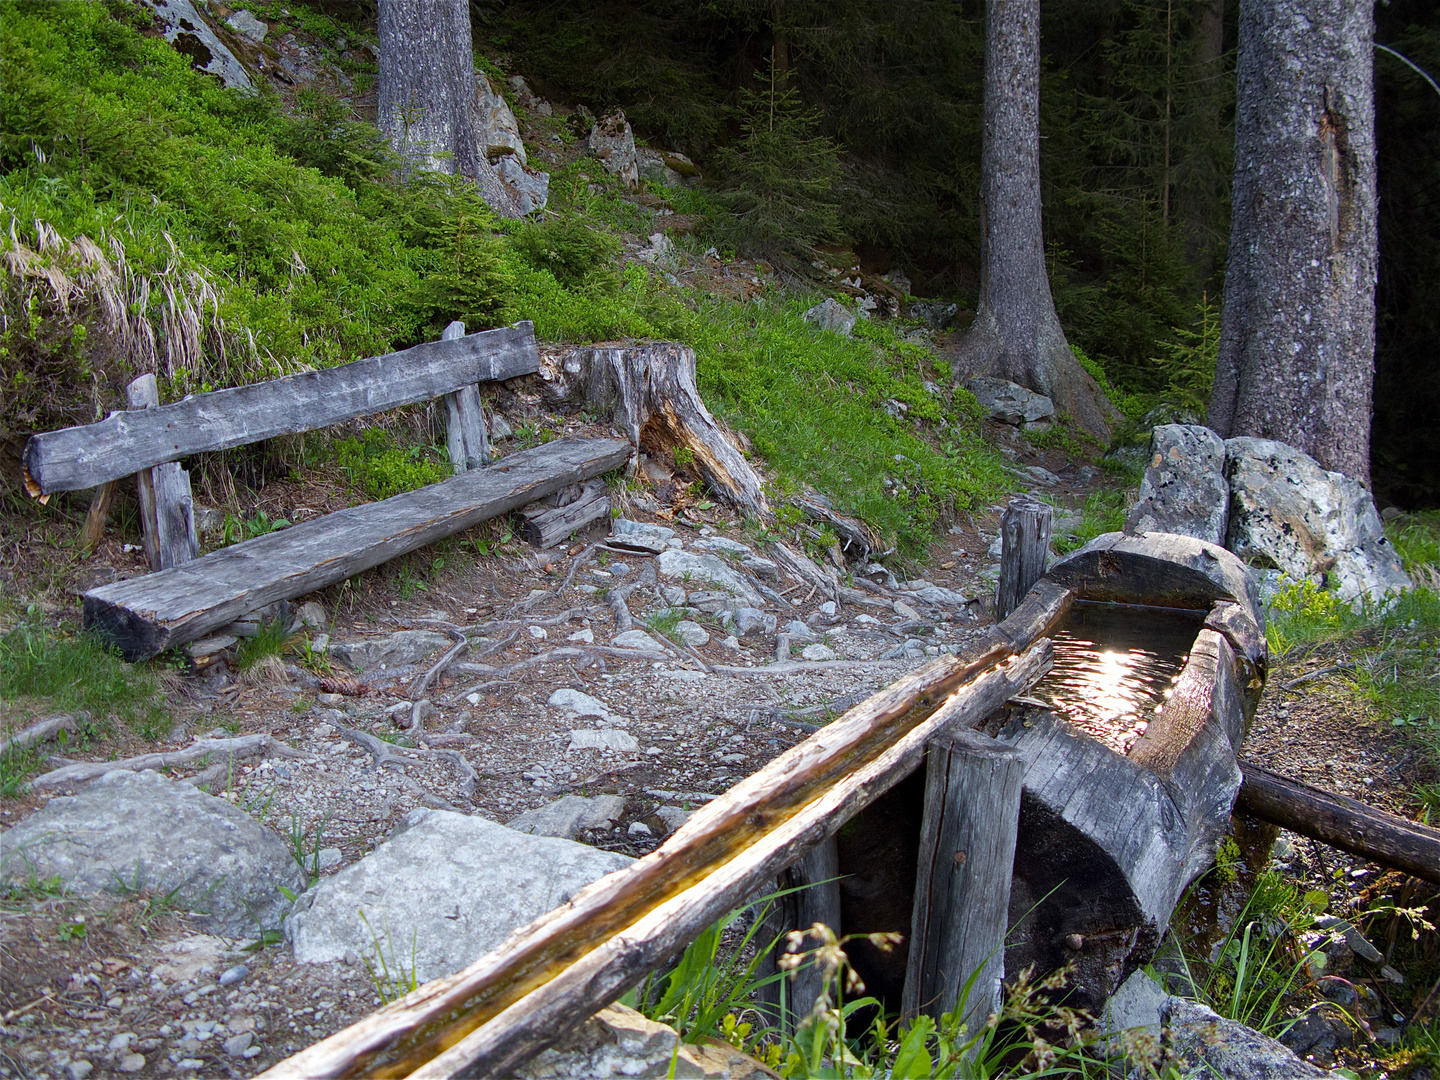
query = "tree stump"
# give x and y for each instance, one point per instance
(649, 392)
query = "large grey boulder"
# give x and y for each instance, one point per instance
(1204, 1044)
(529, 188)
(831, 315)
(1008, 402)
(688, 566)
(612, 141)
(1184, 490)
(184, 28)
(400, 648)
(1289, 513)
(499, 132)
(443, 890)
(138, 830)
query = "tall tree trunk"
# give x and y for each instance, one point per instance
(1016, 334)
(1297, 334)
(426, 90)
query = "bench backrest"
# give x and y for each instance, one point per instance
(129, 442)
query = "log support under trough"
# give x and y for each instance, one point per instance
(167, 508)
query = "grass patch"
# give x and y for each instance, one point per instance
(1104, 511)
(269, 641)
(80, 674)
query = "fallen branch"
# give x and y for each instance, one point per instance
(1320, 674)
(237, 749)
(40, 731)
(1341, 822)
(390, 756)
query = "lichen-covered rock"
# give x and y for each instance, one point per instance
(499, 132)
(1184, 490)
(831, 315)
(688, 566)
(443, 890)
(612, 141)
(138, 831)
(1008, 402)
(184, 28)
(1204, 1044)
(618, 1041)
(1289, 513)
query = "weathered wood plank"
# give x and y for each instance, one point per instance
(545, 526)
(1341, 822)
(167, 509)
(815, 877)
(125, 442)
(1024, 551)
(146, 615)
(465, 436)
(717, 832)
(962, 887)
(511, 1003)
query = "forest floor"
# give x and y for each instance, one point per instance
(96, 980)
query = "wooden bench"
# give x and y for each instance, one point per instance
(186, 597)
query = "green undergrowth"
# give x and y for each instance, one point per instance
(153, 221)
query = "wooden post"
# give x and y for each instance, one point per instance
(816, 876)
(167, 508)
(962, 887)
(1024, 551)
(465, 435)
(96, 517)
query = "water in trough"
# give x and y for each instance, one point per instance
(1115, 664)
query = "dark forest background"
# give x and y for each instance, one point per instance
(1137, 105)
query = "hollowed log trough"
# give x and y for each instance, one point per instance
(1106, 841)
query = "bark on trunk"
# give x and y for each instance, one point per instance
(426, 90)
(1297, 337)
(1016, 334)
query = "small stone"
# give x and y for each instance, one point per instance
(121, 1041)
(603, 739)
(78, 1070)
(238, 1044)
(819, 652)
(587, 636)
(799, 632)
(636, 639)
(828, 608)
(331, 701)
(638, 828)
(691, 633)
(131, 1063)
(730, 644)
(581, 704)
(904, 610)
(538, 633)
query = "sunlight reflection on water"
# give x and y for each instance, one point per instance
(1114, 665)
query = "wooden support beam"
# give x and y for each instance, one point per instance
(1341, 822)
(1024, 551)
(815, 877)
(167, 508)
(146, 615)
(962, 887)
(551, 975)
(97, 516)
(465, 436)
(545, 526)
(125, 442)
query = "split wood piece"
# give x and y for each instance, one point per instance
(803, 568)
(1024, 551)
(237, 749)
(1341, 822)
(857, 540)
(167, 508)
(545, 526)
(814, 882)
(146, 615)
(125, 443)
(650, 392)
(466, 439)
(854, 753)
(962, 886)
(390, 756)
(40, 731)
(96, 517)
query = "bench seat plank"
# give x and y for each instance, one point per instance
(144, 616)
(126, 442)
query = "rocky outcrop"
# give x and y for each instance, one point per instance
(134, 832)
(565, 817)
(1010, 403)
(400, 648)
(831, 315)
(1204, 1044)
(498, 129)
(1289, 513)
(185, 29)
(1184, 490)
(612, 141)
(443, 890)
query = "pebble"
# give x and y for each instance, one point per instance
(238, 1044)
(587, 636)
(78, 1070)
(131, 1063)
(539, 633)
(639, 828)
(239, 971)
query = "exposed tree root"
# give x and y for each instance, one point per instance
(393, 757)
(589, 653)
(41, 731)
(237, 749)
